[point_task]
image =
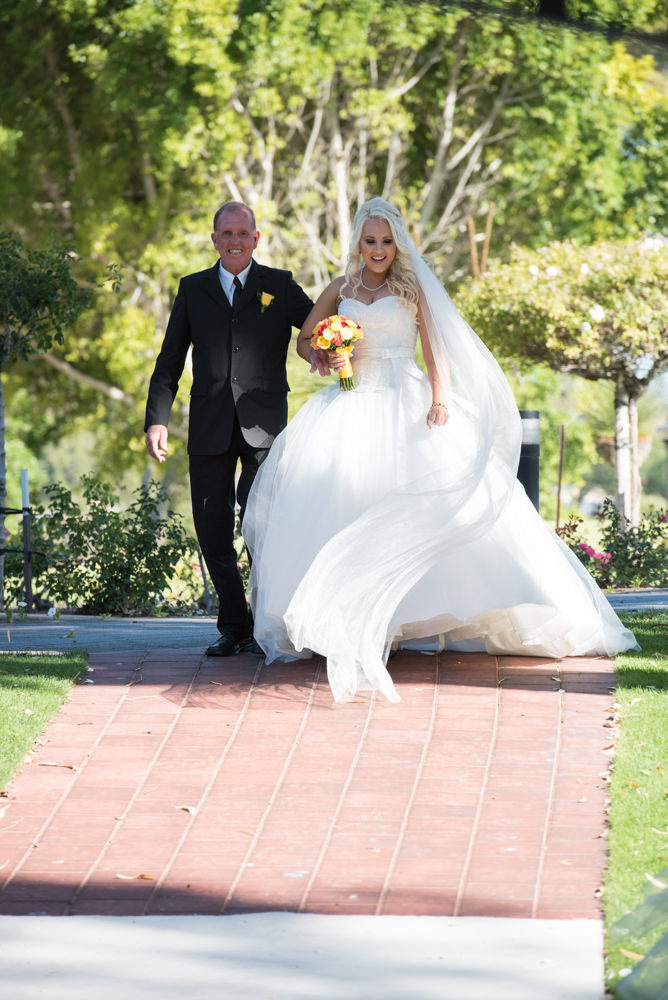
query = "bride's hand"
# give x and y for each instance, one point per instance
(438, 415)
(319, 363)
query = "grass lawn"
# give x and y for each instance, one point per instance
(638, 838)
(32, 689)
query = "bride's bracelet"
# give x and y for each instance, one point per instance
(440, 404)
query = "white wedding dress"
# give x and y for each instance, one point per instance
(352, 557)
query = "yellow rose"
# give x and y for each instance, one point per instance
(323, 343)
(265, 300)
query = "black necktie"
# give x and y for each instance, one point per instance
(237, 293)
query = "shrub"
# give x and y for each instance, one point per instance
(629, 557)
(102, 559)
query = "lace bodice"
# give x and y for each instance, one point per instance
(388, 345)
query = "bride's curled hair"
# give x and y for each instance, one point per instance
(401, 280)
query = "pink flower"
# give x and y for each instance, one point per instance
(587, 549)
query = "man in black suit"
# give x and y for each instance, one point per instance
(238, 315)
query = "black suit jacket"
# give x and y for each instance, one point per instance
(238, 357)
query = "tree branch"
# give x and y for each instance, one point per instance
(447, 131)
(61, 107)
(110, 391)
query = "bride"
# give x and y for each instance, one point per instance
(390, 516)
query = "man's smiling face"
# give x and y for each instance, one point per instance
(235, 239)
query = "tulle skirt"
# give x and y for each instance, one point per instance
(335, 519)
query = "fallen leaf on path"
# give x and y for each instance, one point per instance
(54, 763)
(188, 809)
(630, 954)
(131, 877)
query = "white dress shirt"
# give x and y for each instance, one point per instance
(227, 280)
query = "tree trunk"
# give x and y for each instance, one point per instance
(623, 490)
(636, 486)
(3, 494)
(628, 485)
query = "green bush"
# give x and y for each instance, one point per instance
(629, 557)
(104, 560)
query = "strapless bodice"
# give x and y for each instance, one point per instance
(390, 333)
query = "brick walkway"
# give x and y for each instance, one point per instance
(177, 784)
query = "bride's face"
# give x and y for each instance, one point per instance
(377, 246)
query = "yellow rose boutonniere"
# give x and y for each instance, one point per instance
(265, 300)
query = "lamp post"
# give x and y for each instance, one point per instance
(27, 551)
(528, 471)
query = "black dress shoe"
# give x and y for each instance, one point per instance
(251, 645)
(226, 645)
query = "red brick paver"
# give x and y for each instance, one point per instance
(177, 784)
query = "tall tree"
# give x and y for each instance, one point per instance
(38, 299)
(125, 121)
(596, 311)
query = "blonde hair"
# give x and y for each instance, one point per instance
(401, 280)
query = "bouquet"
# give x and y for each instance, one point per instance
(338, 334)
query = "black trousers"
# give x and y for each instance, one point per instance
(214, 494)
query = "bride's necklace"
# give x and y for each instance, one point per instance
(375, 289)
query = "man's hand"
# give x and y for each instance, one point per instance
(319, 362)
(156, 441)
(338, 361)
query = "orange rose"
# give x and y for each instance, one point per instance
(339, 333)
